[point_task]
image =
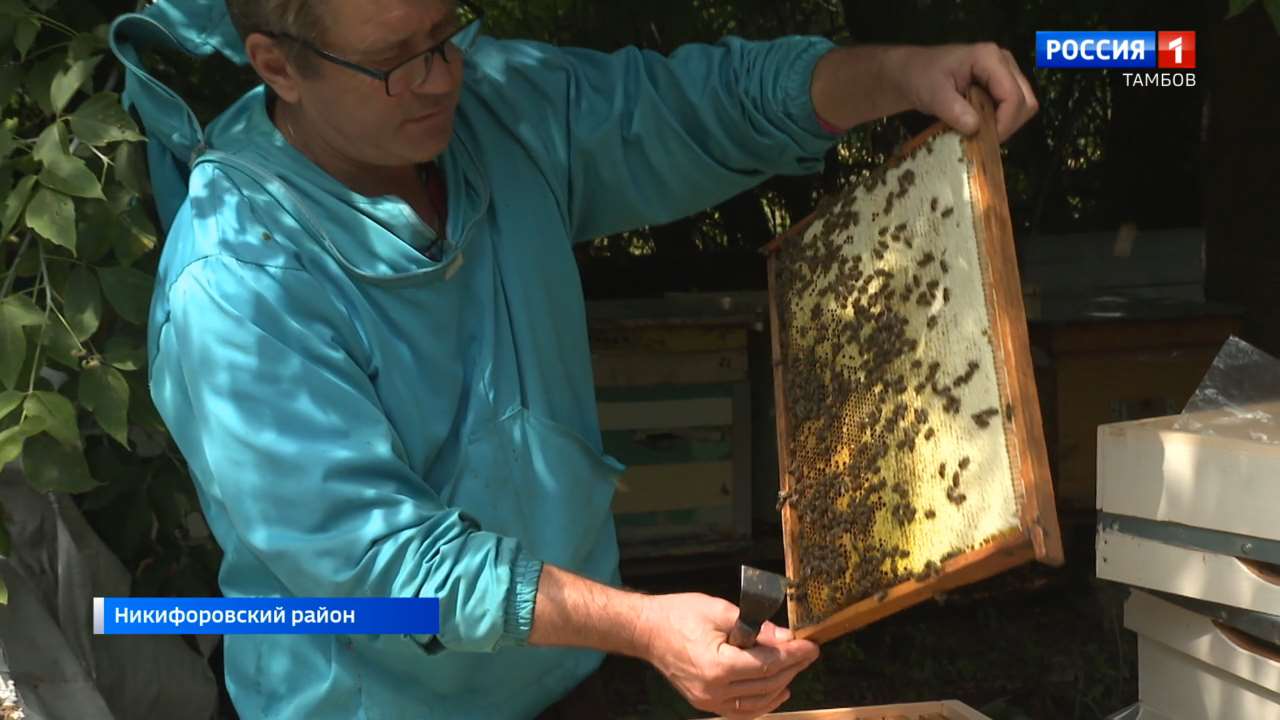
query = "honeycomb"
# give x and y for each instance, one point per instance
(897, 420)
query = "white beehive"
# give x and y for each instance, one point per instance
(1193, 668)
(1189, 506)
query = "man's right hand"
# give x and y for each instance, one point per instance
(686, 638)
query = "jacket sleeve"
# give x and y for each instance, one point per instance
(256, 373)
(649, 138)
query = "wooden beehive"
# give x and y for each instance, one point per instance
(911, 453)
(941, 710)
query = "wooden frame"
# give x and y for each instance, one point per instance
(1039, 536)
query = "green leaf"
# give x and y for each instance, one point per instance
(25, 35)
(83, 303)
(120, 198)
(51, 144)
(96, 229)
(61, 346)
(4, 593)
(70, 80)
(142, 411)
(6, 142)
(13, 350)
(1235, 7)
(23, 310)
(58, 412)
(14, 204)
(122, 355)
(69, 174)
(1273, 9)
(16, 312)
(128, 291)
(138, 237)
(53, 215)
(11, 440)
(130, 167)
(104, 391)
(102, 119)
(53, 467)
(10, 79)
(9, 401)
(84, 45)
(39, 79)
(13, 8)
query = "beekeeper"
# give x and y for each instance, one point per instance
(368, 336)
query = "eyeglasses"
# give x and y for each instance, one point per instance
(412, 72)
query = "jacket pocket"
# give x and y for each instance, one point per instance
(536, 480)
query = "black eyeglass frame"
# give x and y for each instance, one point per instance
(440, 49)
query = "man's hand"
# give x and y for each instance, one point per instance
(856, 84)
(687, 640)
(685, 636)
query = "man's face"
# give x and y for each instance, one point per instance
(352, 112)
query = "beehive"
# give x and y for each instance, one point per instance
(939, 710)
(909, 430)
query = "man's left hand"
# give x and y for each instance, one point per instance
(853, 85)
(935, 80)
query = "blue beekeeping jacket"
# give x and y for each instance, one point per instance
(361, 420)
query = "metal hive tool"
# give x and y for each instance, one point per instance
(912, 456)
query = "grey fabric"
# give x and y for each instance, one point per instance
(56, 566)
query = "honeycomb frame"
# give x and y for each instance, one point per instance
(1031, 531)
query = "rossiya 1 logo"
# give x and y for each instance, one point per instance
(1165, 58)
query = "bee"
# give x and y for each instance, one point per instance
(933, 205)
(1008, 412)
(964, 463)
(930, 514)
(783, 497)
(948, 213)
(945, 268)
(929, 433)
(983, 419)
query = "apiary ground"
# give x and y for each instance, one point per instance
(1036, 643)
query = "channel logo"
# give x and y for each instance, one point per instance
(1177, 50)
(1098, 49)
